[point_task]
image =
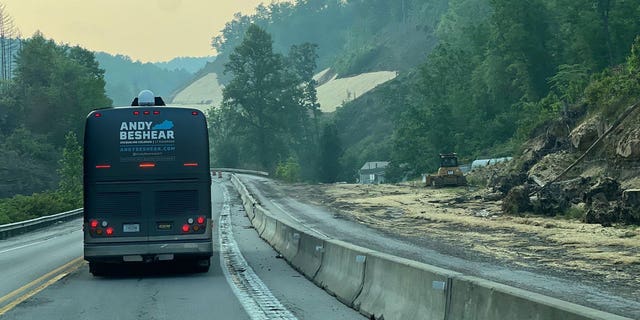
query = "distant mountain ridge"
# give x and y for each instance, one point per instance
(189, 64)
(125, 77)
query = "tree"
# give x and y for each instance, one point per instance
(56, 86)
(250, 103)
(330, 153)
(267, 103)
(70, 169)
(262, 102)
(519, 60)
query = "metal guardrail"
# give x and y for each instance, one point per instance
(11, 229)
(254, 172)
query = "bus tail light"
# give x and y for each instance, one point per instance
(190, 164)
(147, 165)
(185, 228)
(103, 166)
(93, 223)
(109, 231)
(200, 220)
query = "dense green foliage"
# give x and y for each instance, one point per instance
(126, 78)
(267, 108)
(477, 76)
(330, 153)
(53, 89)
(42, 112)
(20, 207)
(352, 36)
(492, 78)
(70, 170)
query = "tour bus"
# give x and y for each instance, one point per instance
(147, 185)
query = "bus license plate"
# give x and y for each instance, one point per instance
(133, 227)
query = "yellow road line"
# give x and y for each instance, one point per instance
(68, 267)
(31, 293)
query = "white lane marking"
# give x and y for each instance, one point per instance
(34, 243)
(24, 246)
(297, 220)
(253, 294)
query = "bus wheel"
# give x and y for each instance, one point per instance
(202, 265)
(97, 269)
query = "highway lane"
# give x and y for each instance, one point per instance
(161, 291)
(27, 257)
(323, 221)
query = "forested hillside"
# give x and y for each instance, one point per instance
(476, 76)
(126, 78)
(188, 64)
(501, 68)
(42, 112)
(352, 36)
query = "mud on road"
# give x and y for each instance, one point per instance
(458, 217)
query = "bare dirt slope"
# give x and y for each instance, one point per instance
(332, 92)
(204, 91)
(335, 92)
(460, 216)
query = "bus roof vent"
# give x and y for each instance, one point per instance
(147, 98)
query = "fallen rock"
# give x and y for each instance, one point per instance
(628, 146)
(493, 196)
(608, 187)
(584, 135)
(604, 212)
(631, 204)
(516, 201)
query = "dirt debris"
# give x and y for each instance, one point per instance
(463, 217)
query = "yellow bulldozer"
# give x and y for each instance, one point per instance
(449, 173)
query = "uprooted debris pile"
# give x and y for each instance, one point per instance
(601, 188)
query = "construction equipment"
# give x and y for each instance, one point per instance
(449, 174)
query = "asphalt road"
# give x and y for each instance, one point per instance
(43, 277)
(323, 221)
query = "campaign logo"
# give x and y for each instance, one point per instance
(145, 130)
(165, 125)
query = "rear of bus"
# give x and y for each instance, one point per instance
(147, 187)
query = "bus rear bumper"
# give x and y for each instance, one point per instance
(147, 252)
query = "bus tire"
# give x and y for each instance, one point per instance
(202, 265)
(97, 269)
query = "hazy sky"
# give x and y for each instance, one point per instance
(146, 30)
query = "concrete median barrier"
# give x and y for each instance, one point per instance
(309, 256)
(258, 220)
(477, 299)
(286, 240)
(250, 209)
(397, 288)
(342, 270)
(248, 202)
(269, 227)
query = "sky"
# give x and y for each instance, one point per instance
(145, 30)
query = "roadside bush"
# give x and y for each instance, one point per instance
(288, 171)
(20, 207)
